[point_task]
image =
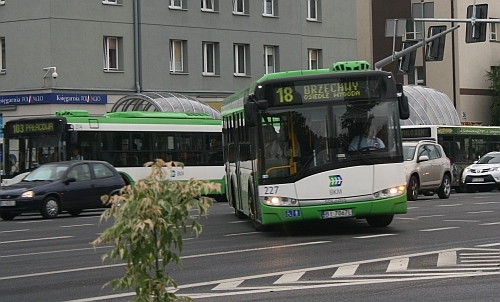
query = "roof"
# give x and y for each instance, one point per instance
(429, 107)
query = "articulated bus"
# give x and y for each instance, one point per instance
(127, 140)
(462, 144)
(313, 116)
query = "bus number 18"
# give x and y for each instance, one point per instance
(285, 94)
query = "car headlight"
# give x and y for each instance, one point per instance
(495, 169)
(390, 192)
(28, 194)
(280, 201)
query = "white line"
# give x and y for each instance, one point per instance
(448, 258)
(479, 212)
(228, 285)
(449, 205)
(479, 260)
(429, 216)
(239, 234)
(405, 218)
(488, 245)
(480, 254)
(439, 229)
(239, 221)
(35, 221)
(54, 252)
(412, 208)
(13, 231)
(76, 225)
(459, 220)
(373, 236)
(397, 265)
(346, 270)
(36, 239)
(490, 223)
(487, 202)
(289, 278)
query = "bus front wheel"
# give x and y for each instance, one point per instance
(379, 221)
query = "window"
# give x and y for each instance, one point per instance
(414, 30)
(241, 60)
(240, 7)
(210, 58)
(314, 58)
(210, 5)
(2, 55)
(102, 171)
(270, 8)
(313, 10)
(270, 59)
(417, 78)
(111, 52)
(493, 32)
(177, 4)
(177, 56)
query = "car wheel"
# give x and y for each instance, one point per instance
(50, 207)
(7, 216)
(413, 185)
(445, 188)
(74, 213)
(379, 221)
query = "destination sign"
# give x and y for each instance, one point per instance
(354, 88)
(416, 132)
(33, 127)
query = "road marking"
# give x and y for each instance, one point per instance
(448, 258)
(36, 239)
(76, 225)
(449, 205)
(346, 270)
(405, 218)
(489, 244)
(439, 229)
(486, 202)
(288, 278)
(490, 223)
(238, 221)
(373, 236)
(239, 234)
(13, 231)
(460, 220)
(397, 265)
(54, 252)
(35, 221)
(429, 216)
(479, 212)
(411, 208)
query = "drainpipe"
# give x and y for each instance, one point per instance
(453, 59)
(136, 47)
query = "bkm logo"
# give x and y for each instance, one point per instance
(335, 180)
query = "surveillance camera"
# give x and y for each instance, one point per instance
(54, 75)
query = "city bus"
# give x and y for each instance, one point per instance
(313, 116)
(462, 144)
(127, 140)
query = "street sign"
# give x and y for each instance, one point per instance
(435, 49)
(475, 31)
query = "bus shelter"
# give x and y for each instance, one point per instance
(429, 107)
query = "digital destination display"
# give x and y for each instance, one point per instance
(416, 133)
(33, 127)
(352, 88)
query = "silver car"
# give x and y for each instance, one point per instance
(427, 168)
(484, 174)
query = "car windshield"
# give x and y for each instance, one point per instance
(408, 152)
(489, 159)
(47, 172)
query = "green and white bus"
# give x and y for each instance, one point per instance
(462, 144)
(127, 140)
(313, 116)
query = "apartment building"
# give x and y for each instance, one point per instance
(73, 54)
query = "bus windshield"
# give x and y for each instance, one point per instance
(299, 141)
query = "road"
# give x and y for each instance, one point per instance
(442, 250)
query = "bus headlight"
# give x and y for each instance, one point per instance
(280, 201)
(390, 192)
(28, 194)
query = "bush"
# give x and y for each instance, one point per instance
(149, 220)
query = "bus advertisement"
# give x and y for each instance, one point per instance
(462, 144)
(316, 144)
(127, 140)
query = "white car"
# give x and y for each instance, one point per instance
(427, 168)
(484, 174)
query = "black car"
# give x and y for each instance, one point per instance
(52, 188)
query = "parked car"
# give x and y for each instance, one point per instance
(427, 168)
(70, 186)
(484, 174)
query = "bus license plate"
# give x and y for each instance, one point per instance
(8, 203)
(336, 214)
(478, 180)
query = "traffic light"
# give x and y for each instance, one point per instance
(407, 62)
(435, 49)
(477, 32)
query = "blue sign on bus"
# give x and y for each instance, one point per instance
(53, 98)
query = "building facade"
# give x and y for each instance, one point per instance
(73, 54)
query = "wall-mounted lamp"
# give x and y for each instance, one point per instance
(54, 74)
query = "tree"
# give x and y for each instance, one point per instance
(149, 220)
(494, 78)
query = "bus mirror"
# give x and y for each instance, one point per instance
(404, 108)
(262, 104)
(250, 109)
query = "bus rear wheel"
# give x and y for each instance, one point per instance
(379, 221)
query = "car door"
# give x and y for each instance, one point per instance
(425, 167)
(437, 164)
(105, 181)
(79, 194)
